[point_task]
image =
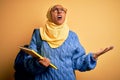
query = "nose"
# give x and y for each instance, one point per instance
(60, 11)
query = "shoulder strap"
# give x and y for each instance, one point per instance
(38, 38)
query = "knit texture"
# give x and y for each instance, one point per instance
(70, 56)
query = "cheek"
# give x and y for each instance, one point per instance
(53, 18)
(53, 15)
(64, 16)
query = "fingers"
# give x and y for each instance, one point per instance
(108, 49)
(45, 62)
(111, 47)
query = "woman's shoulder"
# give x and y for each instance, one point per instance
(36, 30)
(72, 33)
(72, 36)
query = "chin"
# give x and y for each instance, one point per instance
(60, 23)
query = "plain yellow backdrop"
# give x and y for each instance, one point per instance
(97, 23)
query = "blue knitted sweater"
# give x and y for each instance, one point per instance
(70, 56)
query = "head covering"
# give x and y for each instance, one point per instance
(55, 35)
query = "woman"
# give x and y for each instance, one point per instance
(61, 47)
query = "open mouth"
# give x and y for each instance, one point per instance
(59, 17)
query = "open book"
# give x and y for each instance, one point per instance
(35, 54)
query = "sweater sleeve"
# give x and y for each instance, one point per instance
(31, 64)
(81, 60)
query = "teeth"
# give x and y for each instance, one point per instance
(59, 16)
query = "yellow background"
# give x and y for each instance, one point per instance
(97, 23)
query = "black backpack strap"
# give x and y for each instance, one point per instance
(38, 39)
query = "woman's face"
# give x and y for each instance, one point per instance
(58, 14)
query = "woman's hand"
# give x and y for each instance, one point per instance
(99, 53)
(45, 62)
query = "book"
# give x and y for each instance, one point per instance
(35, 54)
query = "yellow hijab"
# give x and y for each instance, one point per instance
(55, 35)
